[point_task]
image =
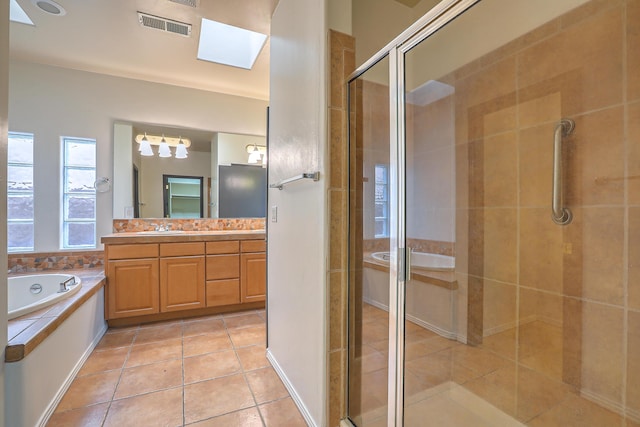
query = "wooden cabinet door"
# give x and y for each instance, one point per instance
(132, 288)
(182, 284)
(253, 277)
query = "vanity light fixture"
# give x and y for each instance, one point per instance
(164, 143)
(257, 153)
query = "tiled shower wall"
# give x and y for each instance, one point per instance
(563, 300)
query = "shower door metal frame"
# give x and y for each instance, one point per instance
(440, 15)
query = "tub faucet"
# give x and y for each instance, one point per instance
(63, 285)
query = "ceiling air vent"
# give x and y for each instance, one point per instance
(164, 24)
(192, 3)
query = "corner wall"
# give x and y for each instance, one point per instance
(297, 241)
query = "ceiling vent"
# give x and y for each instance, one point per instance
(163, 24)
(191, 3)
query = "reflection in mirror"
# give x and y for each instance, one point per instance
(138, 186)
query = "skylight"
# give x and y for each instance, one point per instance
(17, 14)
(229, 45)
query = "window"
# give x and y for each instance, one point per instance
(382, 201)
(79, 194)
(20, 192)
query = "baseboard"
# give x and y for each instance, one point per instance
(291, 389)
(67, 383)
(433, 328)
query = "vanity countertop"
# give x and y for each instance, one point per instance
(181, 236)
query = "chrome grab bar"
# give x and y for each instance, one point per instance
(560, 214)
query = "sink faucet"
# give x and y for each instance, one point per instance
(163, 227)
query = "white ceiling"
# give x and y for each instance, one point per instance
(104, 36)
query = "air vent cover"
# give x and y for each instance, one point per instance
(192, 3)
(164, 24)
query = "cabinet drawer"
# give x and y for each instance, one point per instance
(146, 250)
(253, 246)
(223, 267)
(181, 249)
(223, 292)
(225, 247)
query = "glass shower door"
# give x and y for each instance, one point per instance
(522, 158)
(370, 253)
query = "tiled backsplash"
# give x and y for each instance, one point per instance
(200, 224)
(43, 261)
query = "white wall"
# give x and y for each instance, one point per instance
(233, 148)
(297, 242)
(4, 80)
(50, 102)
(123, 154)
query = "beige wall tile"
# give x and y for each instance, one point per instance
(602, 346)
(338, 150)
(633, 49)
(540, 110)
(584, 56)
(500, 170)
(537, 393)
(634, 258)
(633, 361)
(633, 151)
(499, 307)
(337, 310)
(595, 159)
(598, 255)
(500, 240)
(536, 165)
(541, 251)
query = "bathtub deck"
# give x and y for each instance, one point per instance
(26, 332)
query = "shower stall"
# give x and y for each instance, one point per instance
(494, 218)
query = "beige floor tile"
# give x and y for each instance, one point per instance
(145, 354)
(149, 378)
(244, 418)
(89, 416)
(116, 338)
(162, 408)
(576, 411)
(159, 333)
(211, 398)
(253, 357)
(210, 365)
(244, 321)
(266, 385)
(106, 360)
(88, 390)
(282, 413)
(202, 326)
(248, 336)
(201, 344)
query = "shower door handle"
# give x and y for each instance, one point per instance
(560, 214)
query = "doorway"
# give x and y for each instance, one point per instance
(182, 196)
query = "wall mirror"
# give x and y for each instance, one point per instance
(139, 182)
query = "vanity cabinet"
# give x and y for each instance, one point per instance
(223, 273)
(253, 271)
(182, 269)
(133, 280)
(155, 280)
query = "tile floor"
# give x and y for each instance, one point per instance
(204, 372)
(451, 384)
